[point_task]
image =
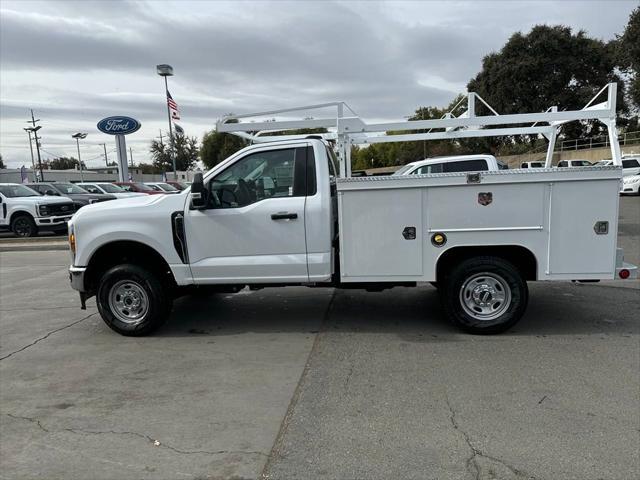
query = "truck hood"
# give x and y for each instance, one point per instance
(42, 200)
(130, 206)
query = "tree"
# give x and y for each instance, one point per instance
(186, 152)
(148, 168)
(548, 66)
(217, 146)
(63, 163)
(627, 53)
(2, 163)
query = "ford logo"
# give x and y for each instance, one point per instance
(118, 125)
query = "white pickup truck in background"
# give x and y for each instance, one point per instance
(25, 212)
(276, 214)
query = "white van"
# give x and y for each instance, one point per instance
(458, 163)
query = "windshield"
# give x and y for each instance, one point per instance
(14, 191)
(67, 188)
(167, 188)
(403, 170)
(143, 187)
(110, 188)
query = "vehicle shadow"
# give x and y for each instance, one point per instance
(413, 313)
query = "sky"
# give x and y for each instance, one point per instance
(76, 62)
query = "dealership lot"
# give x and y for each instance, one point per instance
(315, 383)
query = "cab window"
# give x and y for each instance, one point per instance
(630, 163)
(260, 176)
(91, 188)
(425, 169)
(465, 166)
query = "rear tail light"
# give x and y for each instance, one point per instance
(624, 274)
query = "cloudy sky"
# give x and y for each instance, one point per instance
(76, 62)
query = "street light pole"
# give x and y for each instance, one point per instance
(167, 71)
(106, 159)
(78, 136)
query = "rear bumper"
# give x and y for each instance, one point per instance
(627, 267)
(622, 267)
(76, 277)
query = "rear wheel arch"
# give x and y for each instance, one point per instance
(520, 257)
(130, 252)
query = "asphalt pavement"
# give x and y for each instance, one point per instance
(300, 383)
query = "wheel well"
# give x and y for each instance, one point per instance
(18, 213)
(522, 258)
(125, 251)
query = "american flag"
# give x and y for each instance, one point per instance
(173, 107)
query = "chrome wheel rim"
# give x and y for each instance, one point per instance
(22, 227)
(128, 301)
(485, 296)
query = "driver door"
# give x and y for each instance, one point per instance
(253, 229)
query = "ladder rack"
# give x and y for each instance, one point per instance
(348, 130)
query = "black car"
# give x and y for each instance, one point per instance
(78, 194)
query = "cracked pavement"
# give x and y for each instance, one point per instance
(301, 383)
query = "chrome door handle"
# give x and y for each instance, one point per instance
(284, 216)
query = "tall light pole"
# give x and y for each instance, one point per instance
(165, 71)
(106, 159)
(78, 136)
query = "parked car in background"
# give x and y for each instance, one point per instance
(532, 165)
(110, 188)
(137, 187)
(78, 195)
(24, 211)
(179, 185)
(574, 163)
(630, 165)
(163, 187)
(631, 185)
(459, 163)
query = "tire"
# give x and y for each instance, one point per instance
(22, 225)
(133, 301)
(484, 295)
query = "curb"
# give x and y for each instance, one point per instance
(31, 247)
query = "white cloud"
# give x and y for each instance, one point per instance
(75, 62)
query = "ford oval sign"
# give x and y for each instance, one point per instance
(118, 125)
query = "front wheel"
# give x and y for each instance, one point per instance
(133, 301)
(485, 295)
(24, 226)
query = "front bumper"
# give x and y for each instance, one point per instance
(76, 277)
(52, 221)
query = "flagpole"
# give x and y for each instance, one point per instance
(171, 152)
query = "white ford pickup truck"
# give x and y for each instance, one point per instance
(276, 214)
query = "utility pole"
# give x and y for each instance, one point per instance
(35, 129)
(33, 162)
(106, 159)
(131, 156)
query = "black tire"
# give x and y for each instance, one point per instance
(496, 280)
(157, 299)
(22, 225)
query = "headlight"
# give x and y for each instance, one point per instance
(43, 210)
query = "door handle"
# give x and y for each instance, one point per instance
(284, 216)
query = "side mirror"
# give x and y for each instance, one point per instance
(199, 194)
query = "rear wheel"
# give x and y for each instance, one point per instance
(133, 301)
(485, 295)
(23, 226)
